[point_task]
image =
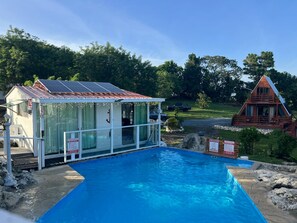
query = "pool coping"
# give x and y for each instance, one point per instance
(258, 192)
(52, 185)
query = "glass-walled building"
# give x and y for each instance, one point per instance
(90, 118)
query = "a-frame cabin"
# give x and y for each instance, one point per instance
(265, 108)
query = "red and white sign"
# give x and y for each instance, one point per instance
(229, 147)
(214, 145)
(29, 104)
(73, 145)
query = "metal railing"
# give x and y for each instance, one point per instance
(40, 147)
(91, 143)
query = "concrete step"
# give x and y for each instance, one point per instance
(24, 161)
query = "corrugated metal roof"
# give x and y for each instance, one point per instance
(33, 92)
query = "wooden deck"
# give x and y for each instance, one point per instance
(22, 158)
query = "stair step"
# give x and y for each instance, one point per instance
(25, 161)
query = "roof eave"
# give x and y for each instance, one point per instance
(92, 100)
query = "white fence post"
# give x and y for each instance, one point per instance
(39, 154)
(137, 137)
(80, 144)
(65, 147)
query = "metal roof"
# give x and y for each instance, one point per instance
(43, 96)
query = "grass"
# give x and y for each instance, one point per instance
(215, 110)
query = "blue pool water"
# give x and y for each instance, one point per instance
(156, 186)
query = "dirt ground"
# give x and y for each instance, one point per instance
(201, 126)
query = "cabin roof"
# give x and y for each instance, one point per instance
(276, 92)
(55, 91)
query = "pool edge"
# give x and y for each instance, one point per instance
(257, 192)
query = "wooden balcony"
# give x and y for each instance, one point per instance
(263, 99)
(261, 121)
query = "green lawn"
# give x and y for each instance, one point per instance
(215, 110)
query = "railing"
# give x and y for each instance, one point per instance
(40, 148)
(237, 119)
(84, 144)
(262, 98)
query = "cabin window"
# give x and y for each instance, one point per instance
(281, 112)
(249, 110)
(262, 90)
(22, 109)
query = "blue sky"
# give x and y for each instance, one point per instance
(161, 30)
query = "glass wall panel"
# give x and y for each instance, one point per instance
(58, 118)
(141, 118)
(89, 122)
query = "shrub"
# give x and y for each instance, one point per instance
(203, 100)
(293, 154)
(281, 144)
(248, 137)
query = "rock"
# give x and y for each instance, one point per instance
(24, 178)
(285, 168)
(10, 199)
(281, 180)
(1, 181)
(284, 198)
(265, 175)
(2, 173)
(194, 142)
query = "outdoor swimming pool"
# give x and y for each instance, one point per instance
(158, 185)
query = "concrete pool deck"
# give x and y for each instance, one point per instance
(52, 185)
(257, 191)
(56, 182)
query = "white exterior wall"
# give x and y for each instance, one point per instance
(21, 125)
(103, 138)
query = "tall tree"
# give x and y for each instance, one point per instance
(192, 76)
(169, 77)
(221, 78)
(23, 55)
(258, 65)
(107, 63)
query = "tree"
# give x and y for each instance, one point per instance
(169, 77)
(192, 76)
(117, 66)
(248, 137)
(221, 77)
(258, 65)
(22, 55)
(286, 85)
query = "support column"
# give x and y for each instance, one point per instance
(148, 120)
(35, 141)
(111, 127)
(42, 135)
(159, 123)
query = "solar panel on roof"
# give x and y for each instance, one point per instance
(58, 86)
(76, 86)
(111, 87)
(93, 86)
(55, 86)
